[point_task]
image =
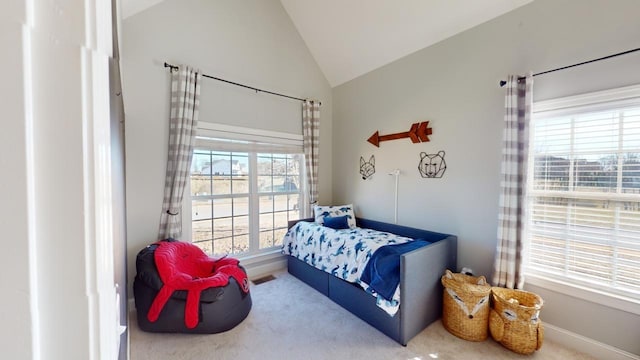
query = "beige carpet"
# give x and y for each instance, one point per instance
(289, 320)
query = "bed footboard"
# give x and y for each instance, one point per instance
(420, 287)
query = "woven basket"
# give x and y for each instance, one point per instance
(514, 321)
(465, 306)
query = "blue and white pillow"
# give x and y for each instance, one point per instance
(322, 212)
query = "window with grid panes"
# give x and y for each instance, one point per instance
(583, 209)
(278, 194)
(244, 190)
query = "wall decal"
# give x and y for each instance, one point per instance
(419, 132)
(367, 168)
(432, 165)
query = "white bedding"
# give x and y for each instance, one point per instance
(342, 253)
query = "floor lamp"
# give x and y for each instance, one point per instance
(396, 172)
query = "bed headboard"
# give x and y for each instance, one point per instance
(293, 222)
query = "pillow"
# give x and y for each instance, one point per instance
(321, 212)
(336, 222)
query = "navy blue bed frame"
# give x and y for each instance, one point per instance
(420, 287)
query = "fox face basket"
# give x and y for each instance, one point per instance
(515, 320)
(465, 306)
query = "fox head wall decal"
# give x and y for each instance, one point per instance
(367, 168)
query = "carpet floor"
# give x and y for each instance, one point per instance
(290, 320)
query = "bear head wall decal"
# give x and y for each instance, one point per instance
(432, 165)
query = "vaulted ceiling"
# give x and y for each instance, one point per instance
(349, 38)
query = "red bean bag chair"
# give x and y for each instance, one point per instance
(178, 288)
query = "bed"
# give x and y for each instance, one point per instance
(420, 290)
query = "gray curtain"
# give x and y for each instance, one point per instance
(185, 100)
(507, 268)
(311, 145)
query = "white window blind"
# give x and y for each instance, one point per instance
(583, 209)
(232, 138)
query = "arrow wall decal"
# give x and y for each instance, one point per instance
(419, 132)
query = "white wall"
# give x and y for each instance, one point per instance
(454, 84)
(249, 41)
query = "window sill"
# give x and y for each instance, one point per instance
(599, 297)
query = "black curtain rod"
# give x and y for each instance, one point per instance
(242, 85)
(503, 83)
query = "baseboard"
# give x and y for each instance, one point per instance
(258, 270)
(585, 344)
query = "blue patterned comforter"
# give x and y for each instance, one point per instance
(342, 253)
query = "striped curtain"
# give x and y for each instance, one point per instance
(507, 267)
(311, 145)
(185, 100)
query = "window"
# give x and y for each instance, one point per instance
(583, 210)
(244, 192)
(279, 195)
